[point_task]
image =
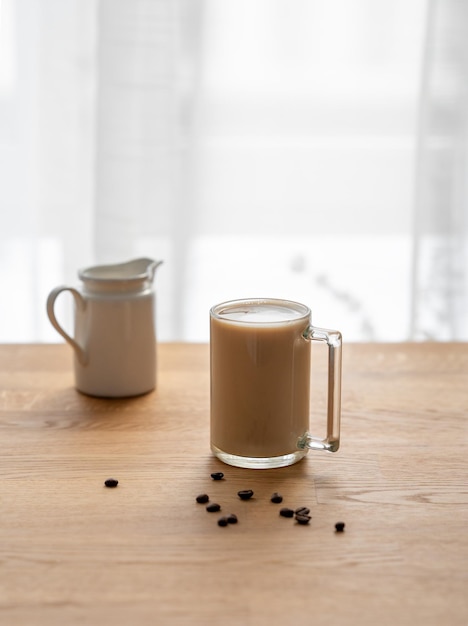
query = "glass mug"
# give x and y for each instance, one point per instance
(260, 383)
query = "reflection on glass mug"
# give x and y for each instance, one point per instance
(115, 339)
(260, 383)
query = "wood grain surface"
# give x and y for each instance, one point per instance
(74, 552)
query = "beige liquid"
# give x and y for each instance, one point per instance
(260, 381)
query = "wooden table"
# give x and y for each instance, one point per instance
(75, 552)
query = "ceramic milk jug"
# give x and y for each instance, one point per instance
(114, 341)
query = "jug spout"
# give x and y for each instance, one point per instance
(121, 276)
(151, 266)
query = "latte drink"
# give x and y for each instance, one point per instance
(260, 381)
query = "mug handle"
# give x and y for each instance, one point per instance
(331, 443)
(80, 304)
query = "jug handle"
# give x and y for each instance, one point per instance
(80, 304)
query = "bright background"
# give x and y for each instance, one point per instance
(305, 149)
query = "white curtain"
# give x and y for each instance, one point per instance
(307, 149)
(440, 258)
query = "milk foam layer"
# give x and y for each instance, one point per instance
(261, 313)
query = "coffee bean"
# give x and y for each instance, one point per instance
(203, 498)
(223, 521)
(111, 482)
(276, 498)
(213, 508)
(245, 494)
(232, 518)
(303, 510)
(286, 512)
(217, 475)
(303, 519)
(339, 527)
